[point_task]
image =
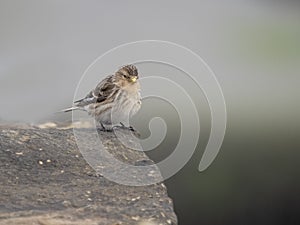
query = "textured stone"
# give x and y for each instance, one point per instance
(45, 180)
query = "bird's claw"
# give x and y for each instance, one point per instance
(125, 127)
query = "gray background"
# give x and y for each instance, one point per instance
(252, 46)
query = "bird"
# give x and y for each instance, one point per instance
(114, 100)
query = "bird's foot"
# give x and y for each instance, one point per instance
(103, 128)
(130, 128)
(125, 127)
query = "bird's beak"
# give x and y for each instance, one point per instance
(133, 79)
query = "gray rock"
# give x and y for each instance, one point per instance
(45, 180)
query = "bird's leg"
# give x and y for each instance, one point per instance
(130, 127)
(122, 125)
(103, 128)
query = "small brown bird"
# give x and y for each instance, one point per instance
(115, 99)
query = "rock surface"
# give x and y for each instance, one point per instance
(45, 180)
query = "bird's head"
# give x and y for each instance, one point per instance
(129, 73)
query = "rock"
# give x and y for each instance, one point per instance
(45, 180)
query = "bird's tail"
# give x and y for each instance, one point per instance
(70, 109)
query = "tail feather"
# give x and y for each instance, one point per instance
(80, 100)
(70, 109)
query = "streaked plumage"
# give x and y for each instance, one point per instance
(115, 99)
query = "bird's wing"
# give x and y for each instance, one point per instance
(102, 91)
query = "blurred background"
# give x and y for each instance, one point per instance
(252, 46)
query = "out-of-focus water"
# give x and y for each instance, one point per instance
(253, 47)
